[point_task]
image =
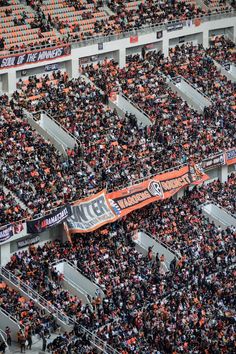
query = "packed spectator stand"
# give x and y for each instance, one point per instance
(43, 23)
(143, 303)
(222, 49)
(148, 308)
(115, 156)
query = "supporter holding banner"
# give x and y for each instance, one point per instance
(48, 221)
(91, 213)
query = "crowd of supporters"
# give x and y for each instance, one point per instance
(116, 150)
(222, 49)
(120, 16)
(33, 169)
(145, 307)
(222, 193)
(10, 209)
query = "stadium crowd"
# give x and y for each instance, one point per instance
(33, 169)
(222, 49)
(82, 20)
(145, 307)
(117, 151)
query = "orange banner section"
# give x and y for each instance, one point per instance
(91, 213)
(158, 187)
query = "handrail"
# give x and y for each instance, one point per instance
(4, 336)
(34, 295)
(52, 309)
(148, 29)
(78, 143)
(71, 282)
(209, 201)
(170, 249)
(14, 319)
(195, 88)
(133, 104)
(77, 269)
(133, 182)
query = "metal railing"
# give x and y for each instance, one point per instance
(34, 295)
(119, 187)
(3, 336)
(195, 88)
(38, 299)
(209, 201)
(76, 43)
(149, 29)
(156, 238)
(71, 282)
(14, 319)
(133, 104)
(77, 142)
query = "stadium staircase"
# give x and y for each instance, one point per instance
(220, 216)
(189, 93)
(143, 240)
(65, 322)
(51, 130)
(228, 70)
(123, 105)
(76, 283)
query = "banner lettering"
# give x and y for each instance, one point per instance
(48, 221)
(6, 232)
(231, 156)
(91, 213)
(213, 162)
(34, 56)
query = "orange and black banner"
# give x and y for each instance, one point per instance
(91, 213)
(161, 186)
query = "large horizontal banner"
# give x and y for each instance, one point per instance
(230, 156)
(91, 213)
(159, 187)
(34, 56)
(48, 221)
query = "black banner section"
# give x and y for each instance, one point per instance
(6, 232)
(28, 241)
(213, 162)
(48, 221)
(174, 26)
(34, 56)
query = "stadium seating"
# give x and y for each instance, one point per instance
(21, 27)
(143, 304)
(222, 49)
(32, 168)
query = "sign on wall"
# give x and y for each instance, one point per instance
(34, 56)
(6, 232)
